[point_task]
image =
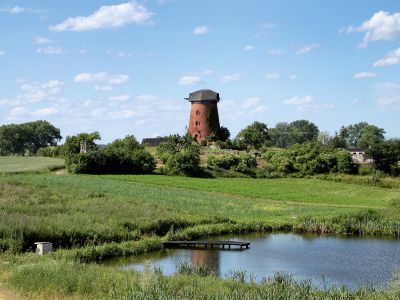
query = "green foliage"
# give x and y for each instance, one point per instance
(72, 144)
(181, 155)
(386, 156)
(253, 136)
(27, 138)
(362, 135)
(308, 159)
(51, 151)
(244, 163)
(223, 134)
(297, 132)
(123, 156)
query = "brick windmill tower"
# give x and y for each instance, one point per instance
(204, 118)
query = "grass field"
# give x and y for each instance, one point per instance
(17, 164)
(118, 215)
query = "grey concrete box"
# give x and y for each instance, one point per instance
(43, 247)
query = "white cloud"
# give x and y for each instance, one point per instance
(42, 40)
(17, 112)
(103, 88)
(253, 105)
(120, 98)
(38, 92)
(388, 93)
(315, 107)
(263, 28)
(12, 10)
(231, 77)
(50, 50)
(299, 100)
(392, 58)
(276, 52)
(363, 75)
(46, 111)
(112, 16)
(293, 77)
(381, 26)
(101, 77)
(248, 47)
(272, 76)
(307, 103)
(201, 30)
(2, 52)
(190, 80)
(306, 48)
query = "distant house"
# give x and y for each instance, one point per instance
(154, 142)
(358, 156)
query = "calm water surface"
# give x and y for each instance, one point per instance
(326, 260)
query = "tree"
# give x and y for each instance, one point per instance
(223, 134)
(280, 135)
(72, 144)
(302, 131)
(253, 136)
(297, 132)
(27, 138)
(181, 155)
(362, 135)
(386, 155)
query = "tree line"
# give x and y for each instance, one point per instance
(27, 138)
(304, 149)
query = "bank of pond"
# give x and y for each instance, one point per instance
(325, 260)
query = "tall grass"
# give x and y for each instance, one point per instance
(47, 277)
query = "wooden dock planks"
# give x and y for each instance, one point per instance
(207, 244)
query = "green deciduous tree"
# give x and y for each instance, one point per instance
(27, 138)
(253, 136)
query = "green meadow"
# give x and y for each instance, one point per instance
(17, 164)
(90, 218)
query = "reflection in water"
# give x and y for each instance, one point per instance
(326, 260)
(209, 258)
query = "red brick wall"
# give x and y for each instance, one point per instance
(198, 124)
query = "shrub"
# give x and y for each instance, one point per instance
(52, 151)
(111, 162)
(244, 163)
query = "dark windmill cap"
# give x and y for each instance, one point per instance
(203, 95)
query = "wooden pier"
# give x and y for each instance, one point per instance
(208, 244)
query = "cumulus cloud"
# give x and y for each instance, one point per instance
(248, 47)
(201, 30)
(306, 48)
(231, 77)
(307, 103)
(102, 77)
(50, 50)
(272, 76)
(363, 75)
(190, 80)
(112, 16)
(2, 52)
(381, 26)
(37, 92)
(293, 77)
(392, 58)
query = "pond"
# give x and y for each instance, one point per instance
(326, 260)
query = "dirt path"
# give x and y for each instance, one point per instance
(9, 295)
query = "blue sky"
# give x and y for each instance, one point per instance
(125, 67)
